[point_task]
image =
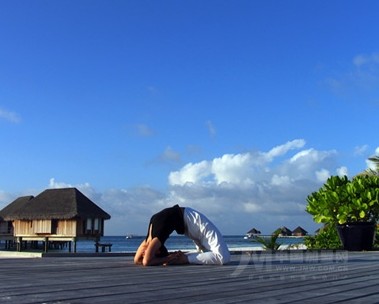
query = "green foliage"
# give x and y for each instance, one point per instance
(341, 200)
(326, 238)
(270, 242)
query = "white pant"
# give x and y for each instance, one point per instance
(209, 242)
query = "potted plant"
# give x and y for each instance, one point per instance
(352, 205)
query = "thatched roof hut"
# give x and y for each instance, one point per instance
(283, 231)
(253, 231)
(299, 231)
(66, 203)
(55, 215)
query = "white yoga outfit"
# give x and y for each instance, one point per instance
(211, 247)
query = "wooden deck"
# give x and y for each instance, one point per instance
(296, 277)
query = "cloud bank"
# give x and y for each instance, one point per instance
(237, 191)
(262, 189)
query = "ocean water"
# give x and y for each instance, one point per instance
(177, 242)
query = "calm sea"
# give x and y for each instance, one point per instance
(176, 242)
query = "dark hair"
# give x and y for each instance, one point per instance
(162, 252)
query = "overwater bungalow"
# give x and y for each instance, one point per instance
(251, 233)
(283, 231)
(55, 215)
(299, 231)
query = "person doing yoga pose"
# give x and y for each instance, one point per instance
(211, 247)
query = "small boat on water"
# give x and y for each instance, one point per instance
(129, 236)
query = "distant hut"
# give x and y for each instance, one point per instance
(56, 215)
(299, 231)
(251, 233)
(283, 231)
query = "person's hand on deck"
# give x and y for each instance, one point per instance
(177, 258)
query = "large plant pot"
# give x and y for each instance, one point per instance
(357, 236)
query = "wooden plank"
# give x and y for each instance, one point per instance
(290, 278)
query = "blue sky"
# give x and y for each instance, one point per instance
(237, 108)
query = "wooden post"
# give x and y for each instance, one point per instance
(18, 243)
(46, 244)
(97, 241)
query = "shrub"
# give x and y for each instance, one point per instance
(341, 200)
(326, 238)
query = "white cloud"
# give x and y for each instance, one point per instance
(307, 162)
(86, 188)
(360, 150)
(54, 184)
(190, 173)
(9, 116)
(322, 175)
(306, 155)
(342, 171)
(229, 168)
(232, 168)
(283, 149)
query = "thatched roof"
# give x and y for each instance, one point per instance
(283, 231)
(66, 203)
(10, 210)
(300, 230)
(253, 231)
